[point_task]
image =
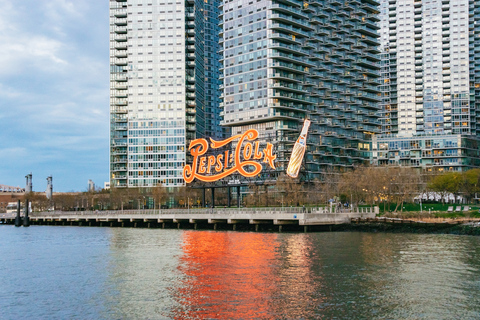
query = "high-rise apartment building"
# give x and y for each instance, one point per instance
(430, 84)
(212, 71)
(162, 77)
(288, 60)
(428, 67)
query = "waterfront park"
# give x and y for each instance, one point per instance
(396, 191)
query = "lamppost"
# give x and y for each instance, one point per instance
(421, 209)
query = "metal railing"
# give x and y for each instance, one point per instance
(218, 210)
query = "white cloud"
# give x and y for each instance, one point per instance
(27, 53)
(54, 88)
(17, 151)
(9, 92)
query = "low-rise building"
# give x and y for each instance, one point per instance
(428, 152)
(9, 194)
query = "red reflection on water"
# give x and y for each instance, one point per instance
(227, 275)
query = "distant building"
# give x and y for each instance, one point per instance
(9, 194)
(91, 186)
(106, 185)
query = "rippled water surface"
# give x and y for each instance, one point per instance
(121, 273)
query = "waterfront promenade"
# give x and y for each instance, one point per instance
(270, 218)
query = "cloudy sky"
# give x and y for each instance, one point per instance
(54, 105)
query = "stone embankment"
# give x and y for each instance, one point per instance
(466, 226)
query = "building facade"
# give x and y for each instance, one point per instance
(161, 80)
(212, 71)
(429, 66)
(427, 152)
(285, 61)
(430, 80)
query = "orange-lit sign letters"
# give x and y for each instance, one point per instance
(227, 163)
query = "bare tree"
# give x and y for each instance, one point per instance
(404, 185)
(121, 197)
(290, 190)
(64, 201)
(160, 194)
(38, 200)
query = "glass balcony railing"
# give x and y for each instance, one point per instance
(285, 27)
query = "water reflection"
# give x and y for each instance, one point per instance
(325, 276)
(103, 273)
(142, 266)
(227, 275)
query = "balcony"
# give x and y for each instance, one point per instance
(289, 67)
(121, 46)
(369, 96)
(120, 128)
(120, 86)
(367, 63)
(121, 38)
(290, 97)
(288, 48)
(121, 62)
(120, 102)
(120, 94)
(120, 13)
(290, 58)
(286, 28)
(118, 168)
(283, 37)
(284, 76)
(299, 23)
(288, 87)
(120, 111)
(118, 151)
(120, 30)
(121, 54)
(121, 22)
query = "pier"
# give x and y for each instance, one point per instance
(258, 219)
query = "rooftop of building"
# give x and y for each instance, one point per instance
(5, 188)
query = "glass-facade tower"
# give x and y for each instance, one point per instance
(430, 85)
(212, 71)
(428, 67)
(288, 60)
(157, 89)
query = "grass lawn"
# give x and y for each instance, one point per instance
(437, 210)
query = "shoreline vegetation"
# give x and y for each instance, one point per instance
(395, 190)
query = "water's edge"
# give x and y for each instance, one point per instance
(459, 229)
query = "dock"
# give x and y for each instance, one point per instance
(258, 219)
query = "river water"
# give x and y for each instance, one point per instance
(52, 272)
